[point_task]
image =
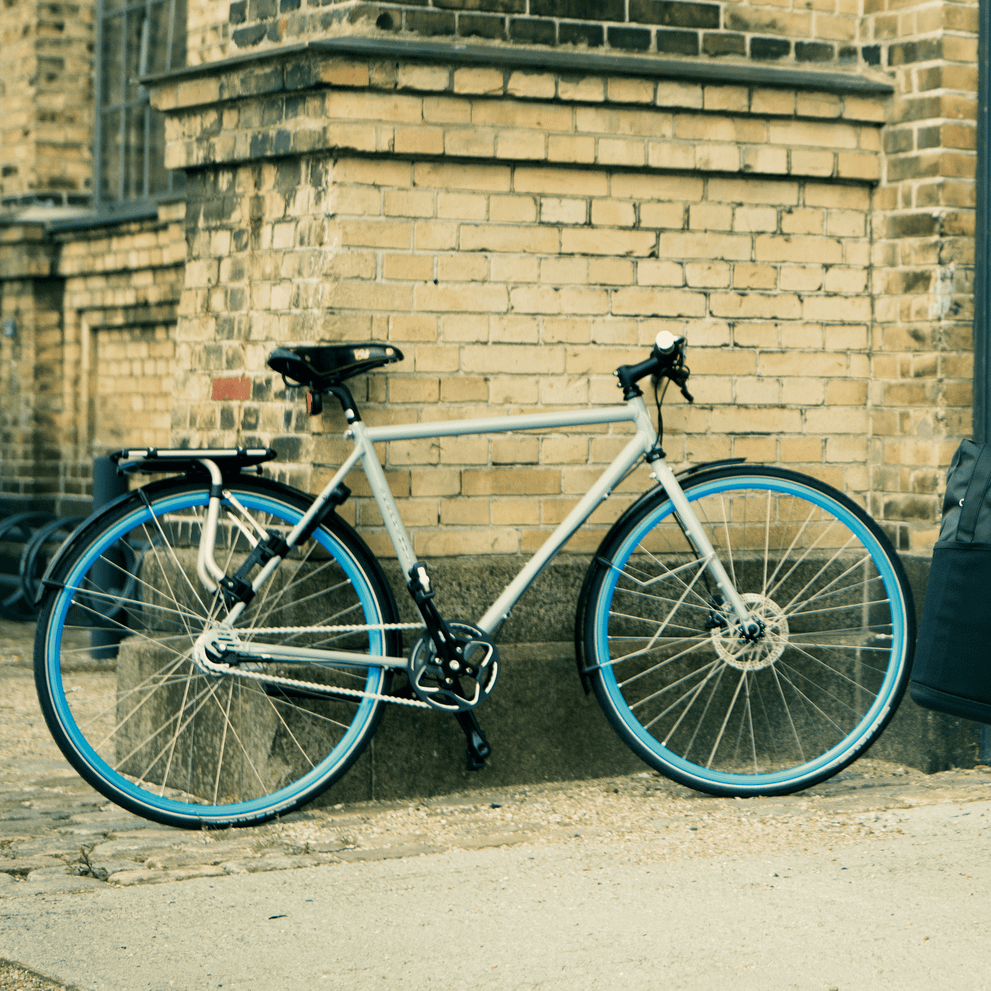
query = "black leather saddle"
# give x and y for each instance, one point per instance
(327, 365)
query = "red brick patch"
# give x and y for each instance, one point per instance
(237, 388)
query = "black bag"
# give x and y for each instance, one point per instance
(952, 669)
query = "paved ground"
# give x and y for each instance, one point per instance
(58, 838)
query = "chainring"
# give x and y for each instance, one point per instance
(455, 690)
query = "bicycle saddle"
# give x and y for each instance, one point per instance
(328, 365)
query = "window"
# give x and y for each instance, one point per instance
(134, 40)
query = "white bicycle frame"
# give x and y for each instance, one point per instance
(365, 438)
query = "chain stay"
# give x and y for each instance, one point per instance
(201, 659)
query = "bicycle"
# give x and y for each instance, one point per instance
(747, 630)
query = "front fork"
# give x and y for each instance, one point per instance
(750, 627)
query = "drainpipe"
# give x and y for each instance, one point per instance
(982, 258)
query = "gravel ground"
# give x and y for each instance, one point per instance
(57, 835)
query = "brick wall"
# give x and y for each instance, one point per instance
(826, 32)
(90, 366)
(46, 94)
(518, 235)
(922, 364)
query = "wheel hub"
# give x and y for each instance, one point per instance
(753, 654)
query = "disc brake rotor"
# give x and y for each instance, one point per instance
(753, 655)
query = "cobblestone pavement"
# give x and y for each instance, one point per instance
(58, 835)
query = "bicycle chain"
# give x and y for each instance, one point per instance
(201, 659)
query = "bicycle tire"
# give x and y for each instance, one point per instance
(697, 701)
(153, 732)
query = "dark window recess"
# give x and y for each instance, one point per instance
(769, 48)
(678, 42)
(133, 41)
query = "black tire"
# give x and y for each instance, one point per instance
(696, 700)
(155, 733)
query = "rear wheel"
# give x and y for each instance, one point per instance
(152, 730)
(705, 705)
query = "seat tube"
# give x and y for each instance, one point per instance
(383, 496)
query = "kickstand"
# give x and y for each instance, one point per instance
(478, 746)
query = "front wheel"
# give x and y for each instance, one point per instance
(150, 728)
(735, 716)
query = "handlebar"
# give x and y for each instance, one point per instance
(667, 359)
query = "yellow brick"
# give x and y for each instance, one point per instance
(515, 512)
(759, 305)
(412, 327)
(793, 363)
(462, 268)
(564, 450)
(656, 301)
(479, 80)
(724, 247)
(561, 181)
(513, 359)
(850, 165)
(754, 420)
(710, 217)
(511, 481)
(707, 275)
(450, 542)
(621, 122)
(770, 161)
(371, 233)
(418, 390)
(470, 142)
(511, 238)
(846, 280)
(525, 145)
(419, 141)
(770, 247)
(532, 85)
(675, 94)
(514, 329)
(479, 178)
(512, 115)
(802, 335)
(515, 450)
(513, 268)
(462, 206)
(671, 155)
(812, 163)
(757, 450)
(614, 242)
(446, 110)
(613, 213)
(660, 273)
(464, 389)
(435, 236)
(799, 450)
(565, 270)
(569, 148)
(659, 189)
(624, 90)
(462, 298)
(590, 89)
(669, 215)
(837, 420)
(803, 391)
(423, 77)
(554, 210)
(813, 104)
(800, 220)
(516, 390)
(464, 512)
(801, 278)
(408, 267)
(393, 108)
(767, 191)
(722, 130)
(560, 391)
(408, 203)
(618, 151)
(566, 330)
(732, 98)
(755, 218)
(341, 72)
(849, 309)
(610, 271)
(779, 102)
(464, 450)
